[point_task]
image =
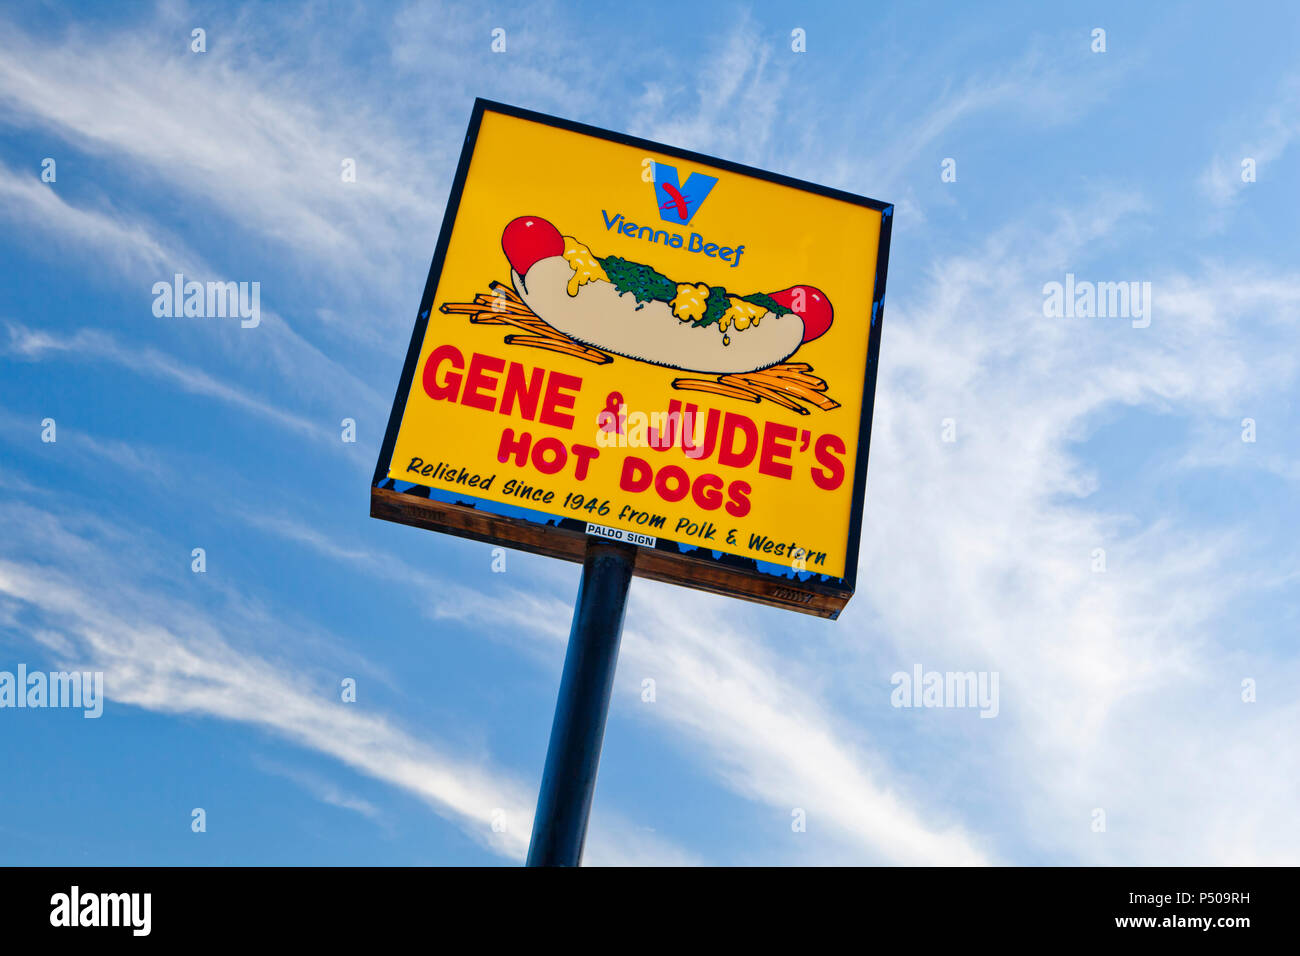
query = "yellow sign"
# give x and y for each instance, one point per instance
(621, 338)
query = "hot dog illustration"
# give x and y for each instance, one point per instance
(627, 308)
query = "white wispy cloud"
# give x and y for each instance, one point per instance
(137, 251)
(160, 668)
(211, 126)
(31, 344)
(118, 242)
(1003, 525)
(167, 655)
(324, 790)
(1270, 136)
(753, 101)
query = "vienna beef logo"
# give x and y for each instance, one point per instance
(678, 204)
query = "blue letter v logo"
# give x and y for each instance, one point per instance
(677, 203)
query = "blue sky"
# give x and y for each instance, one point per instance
(1119, 691)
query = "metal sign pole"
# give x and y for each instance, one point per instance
(573, 755)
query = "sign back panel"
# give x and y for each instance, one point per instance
(627, 339)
